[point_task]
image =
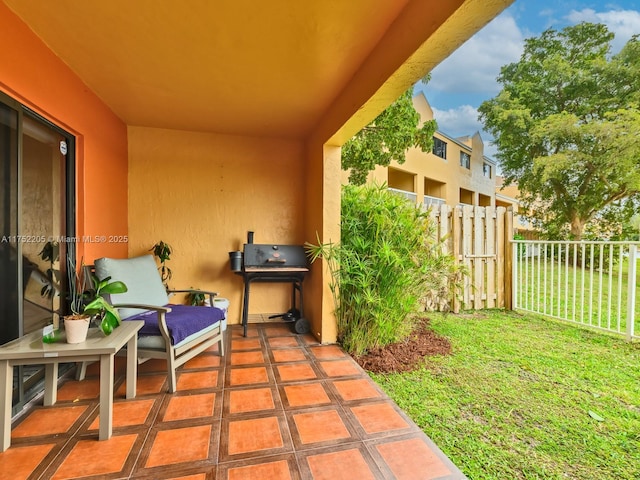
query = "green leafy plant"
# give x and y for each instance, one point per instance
(387, 138)
(388, 265)
(196, 298)
(98, 304)
(163, 252)
(89, 300)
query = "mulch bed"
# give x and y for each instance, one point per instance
(406, 355)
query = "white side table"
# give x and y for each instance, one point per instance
(30, 350)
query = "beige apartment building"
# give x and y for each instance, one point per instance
(456, 171)
(508, 197)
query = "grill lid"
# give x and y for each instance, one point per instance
(265, 256)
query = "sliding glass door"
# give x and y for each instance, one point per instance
(10, 271)
(36, 215)
(42, 221)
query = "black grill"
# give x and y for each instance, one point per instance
(276, 264)
(275, 258)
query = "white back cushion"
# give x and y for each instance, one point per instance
(140, 275)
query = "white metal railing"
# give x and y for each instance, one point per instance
(408, 195)
(428, 200)
(590, 283)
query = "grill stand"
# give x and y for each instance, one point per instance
(271, 276)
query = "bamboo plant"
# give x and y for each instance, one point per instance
(389, 261)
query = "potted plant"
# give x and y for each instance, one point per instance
(163, 251)
(76, 323)
(86, 303)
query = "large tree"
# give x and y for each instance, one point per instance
(387, 138)
(567, 126)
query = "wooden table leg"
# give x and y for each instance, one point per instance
(132, 366)
(50, 384)
(106, 396)
(6, 384)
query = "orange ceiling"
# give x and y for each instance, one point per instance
(267, 68)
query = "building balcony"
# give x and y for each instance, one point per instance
(428, 201)
(404, 193)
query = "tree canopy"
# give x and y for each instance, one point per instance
(387, 138)
(567, 127)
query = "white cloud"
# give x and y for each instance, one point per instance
(470, 72)
(474, 66)
(623, 23)
(472, 69)
(459, 121)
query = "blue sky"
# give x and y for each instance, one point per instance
(467, 77)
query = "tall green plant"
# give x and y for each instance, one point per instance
(388, 261)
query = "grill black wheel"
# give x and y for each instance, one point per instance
(301, 326)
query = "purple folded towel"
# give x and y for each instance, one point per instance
(182, 321)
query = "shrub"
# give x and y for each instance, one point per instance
(388, 264)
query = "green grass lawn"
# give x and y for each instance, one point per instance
(526, 398)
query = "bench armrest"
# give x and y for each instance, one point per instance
(193, 290)
(143, 307)
(160, 311)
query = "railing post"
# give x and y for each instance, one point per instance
(631, 292)
(510, 287)
(514, 275)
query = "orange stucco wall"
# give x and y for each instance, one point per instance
(34, 76)
(202, 192)
(322, 223)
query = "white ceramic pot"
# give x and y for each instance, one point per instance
(76, 328)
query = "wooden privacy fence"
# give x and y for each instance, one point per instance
(479, 237)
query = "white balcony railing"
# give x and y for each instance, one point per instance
(408, 195)
(435, 201)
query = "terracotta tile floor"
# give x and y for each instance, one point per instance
(277, 406)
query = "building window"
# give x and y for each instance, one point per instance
(439, 148)
(465, 160)
(486, 170)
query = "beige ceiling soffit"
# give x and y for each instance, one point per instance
(461, 25)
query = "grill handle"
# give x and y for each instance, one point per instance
(276, 260)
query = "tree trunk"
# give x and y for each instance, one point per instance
(577, 226)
